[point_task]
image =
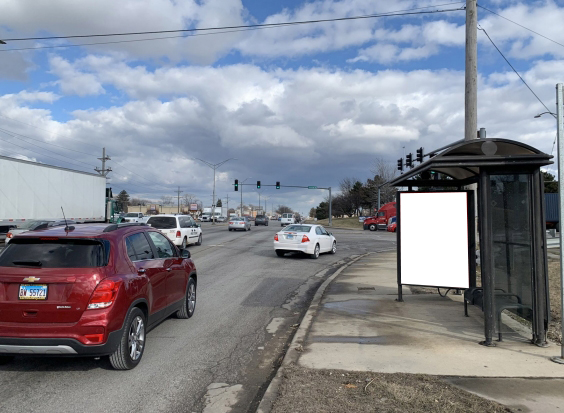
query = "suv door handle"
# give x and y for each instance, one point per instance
(141, 271)
(169, 269)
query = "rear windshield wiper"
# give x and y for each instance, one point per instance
(33, 263)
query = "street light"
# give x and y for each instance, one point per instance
(553, 114)
(544, 113)
(242, 182)
(214, 167)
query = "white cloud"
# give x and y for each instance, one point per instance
(26, 96)
(69, 17)
(72, 80)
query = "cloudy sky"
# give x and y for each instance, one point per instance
(304, 104)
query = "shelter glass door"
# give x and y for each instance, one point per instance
(512, 237)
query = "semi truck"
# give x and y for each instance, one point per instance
(380, 220)
(32, 190)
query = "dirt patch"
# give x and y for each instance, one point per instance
(554, 327)
(347, 223)
(306, 390)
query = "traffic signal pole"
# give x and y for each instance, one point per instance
(278, 186)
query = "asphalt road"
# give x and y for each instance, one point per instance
(249, 304)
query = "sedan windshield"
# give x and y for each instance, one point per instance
(31, 225)
(162, 222)
(131, 214)
(298, 228)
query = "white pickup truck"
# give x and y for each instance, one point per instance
(134, 217)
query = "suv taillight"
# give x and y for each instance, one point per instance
(104, 294)
(9, 235)
(178, 234)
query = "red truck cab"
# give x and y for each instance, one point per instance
(380, 220)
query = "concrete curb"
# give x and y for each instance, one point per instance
(292, 355)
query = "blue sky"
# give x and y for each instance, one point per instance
(304, 105)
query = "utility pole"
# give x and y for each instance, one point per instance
(227, 198)
(178, 193)
(104, 158)
(471, 87)
(471, 72)
(560, 138)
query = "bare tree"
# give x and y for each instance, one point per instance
(188, 199)
(166, 200)
(384, 171)
(282, 209)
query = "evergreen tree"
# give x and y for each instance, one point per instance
(123, 197)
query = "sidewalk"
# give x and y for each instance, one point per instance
(355, 324)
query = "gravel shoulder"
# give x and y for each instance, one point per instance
(306, 390)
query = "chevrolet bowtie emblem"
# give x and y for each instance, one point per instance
(31, 279)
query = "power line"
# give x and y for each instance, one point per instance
(45, 149)
(46, 143)
(517, 73)
(46, 156)
(148, 180)
(369, 16)
(224, 29)
(520, 25)
(44, 130)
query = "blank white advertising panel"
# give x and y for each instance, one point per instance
(434, 239)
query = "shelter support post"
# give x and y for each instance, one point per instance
(398, 255)
(540, 303)
(471, 239)
(488, 281)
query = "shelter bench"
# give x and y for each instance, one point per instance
(503, 301)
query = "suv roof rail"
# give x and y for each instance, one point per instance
(113, 227)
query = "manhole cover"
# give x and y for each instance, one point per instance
(365, 288)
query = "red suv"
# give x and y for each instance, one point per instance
(91, 290)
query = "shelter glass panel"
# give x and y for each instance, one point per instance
(512, 243)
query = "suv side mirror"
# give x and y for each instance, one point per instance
(185, 253)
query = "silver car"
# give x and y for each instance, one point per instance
(239, 223)
(36, 225)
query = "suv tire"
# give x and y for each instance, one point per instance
(133, 336)
(373, 227)
(200, 240)
(189, 304)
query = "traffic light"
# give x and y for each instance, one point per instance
(236, 184)
(258, 184)
(420, 155)
(400, 164)
(277, 184)
(408, 160)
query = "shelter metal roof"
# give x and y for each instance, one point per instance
(462, 160)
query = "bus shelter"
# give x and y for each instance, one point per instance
(511, 226)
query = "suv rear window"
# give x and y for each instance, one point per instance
(162, 222)
(58, 253)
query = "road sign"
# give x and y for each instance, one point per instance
(311, 187)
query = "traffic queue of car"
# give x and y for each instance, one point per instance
(97, 289)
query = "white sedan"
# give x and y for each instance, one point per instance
(309, 239)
